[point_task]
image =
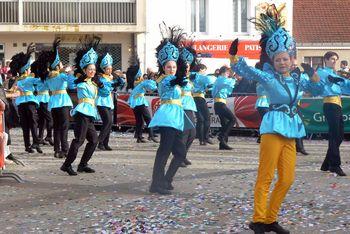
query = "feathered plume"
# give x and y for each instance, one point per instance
(42, 64)
(87, 43)
(175, 35)
(21, 59)
(55, 45)
(268, 23)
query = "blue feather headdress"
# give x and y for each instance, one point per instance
(168, 50)
(275, 39)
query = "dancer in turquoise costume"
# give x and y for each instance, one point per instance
(138, 102)
(334, 87)
(202, 84)
(49, 69)
(85, 113)
(222, 88)
(105, 104)
(189, 55)
(45, 117)
(26, 102)
(281, 125)
(170, 117)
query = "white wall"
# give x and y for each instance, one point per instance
(219, 24)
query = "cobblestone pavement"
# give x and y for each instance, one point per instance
(214, 195)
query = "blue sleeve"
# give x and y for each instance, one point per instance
(32, 81)
(251, 73)
(81, 90)
(108, 84)
(230, 83)
(165, 84)
(106, 89)
(306, 85)
(345, 86)
(118, 82)
(70, 79)
(150, 85)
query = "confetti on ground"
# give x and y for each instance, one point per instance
(213, 195)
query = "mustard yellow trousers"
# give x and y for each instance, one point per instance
(278, 152)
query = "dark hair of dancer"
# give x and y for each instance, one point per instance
(131, 73)
(20, 60)
(42, 65)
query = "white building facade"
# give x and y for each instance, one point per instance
(212, 23)
(41, 21)
(129, 27)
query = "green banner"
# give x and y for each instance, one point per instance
(313, 117)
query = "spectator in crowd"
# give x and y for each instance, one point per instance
(217, 72)
(344, 65)
(344, 70)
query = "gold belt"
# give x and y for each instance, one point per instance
(87, 100)
(139, 95)
(198, 95)
(332, 99)
(43, 93)
(186, 93)
(223, 100)
(263, 96)
(62, 91)
(27, 93)
(172, 101)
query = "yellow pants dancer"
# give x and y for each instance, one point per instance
(276, 152)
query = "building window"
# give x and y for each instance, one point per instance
(240, 15)
(198, 15)
(315, 62)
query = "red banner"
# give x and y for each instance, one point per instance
(219, 48)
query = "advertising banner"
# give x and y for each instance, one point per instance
(243, 108)
(314, 119)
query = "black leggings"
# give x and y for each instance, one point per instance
(171, 141)
(203, 118)
(60, 128)
(84, 129)
(45, 121)
(227, 119)
(334, 118)
(107, 120)
(142, 115)
(29, 122)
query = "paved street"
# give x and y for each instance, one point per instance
(215, 194)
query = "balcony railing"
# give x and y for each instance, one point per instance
(8, 12)
(69, 12)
